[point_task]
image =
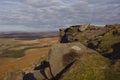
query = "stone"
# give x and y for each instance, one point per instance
(15, 75)
(76, 48)
(83, 27)
(58, 51)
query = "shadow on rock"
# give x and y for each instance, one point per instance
(115, 54)
(60, 74)
(91, 45)
(42, 67)
(29, 76)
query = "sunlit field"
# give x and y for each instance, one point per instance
(22, 54)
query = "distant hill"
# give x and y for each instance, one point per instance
(28, 35)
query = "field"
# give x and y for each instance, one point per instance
(20, 54)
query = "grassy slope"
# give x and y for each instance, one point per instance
(108, 41)
(89, 66)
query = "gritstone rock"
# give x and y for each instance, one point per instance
(57, 54)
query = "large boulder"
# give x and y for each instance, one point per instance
(62, 55)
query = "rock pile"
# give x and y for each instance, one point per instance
(86, 32)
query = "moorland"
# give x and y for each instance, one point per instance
(18, 51)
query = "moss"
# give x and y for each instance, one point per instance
(113, 73)
(90, 66)
(107, 42)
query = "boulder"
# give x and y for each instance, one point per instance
(83, 27)
(15, 75)
(62, 55)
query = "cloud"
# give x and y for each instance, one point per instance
(51, 14)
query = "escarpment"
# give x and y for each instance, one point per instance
(85, 52)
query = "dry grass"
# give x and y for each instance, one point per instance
(90, 66)
(10, 64)
(31, 55)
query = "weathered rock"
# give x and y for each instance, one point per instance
(62, 32)
(84, 27)
(95, 33)
(38, 75)
(63, 54)
(82, 33)
(17, 75)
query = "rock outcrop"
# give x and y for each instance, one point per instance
(83, 32)
(60, 58)
(60, 53)
(71, 60)
(65, 57)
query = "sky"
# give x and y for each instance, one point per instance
(50, 15)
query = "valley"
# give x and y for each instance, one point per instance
(20, 54)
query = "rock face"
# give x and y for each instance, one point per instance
(57, 55)
(84, 27)
(63, 58)
(83, 32)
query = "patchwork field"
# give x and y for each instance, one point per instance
(18, 54)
